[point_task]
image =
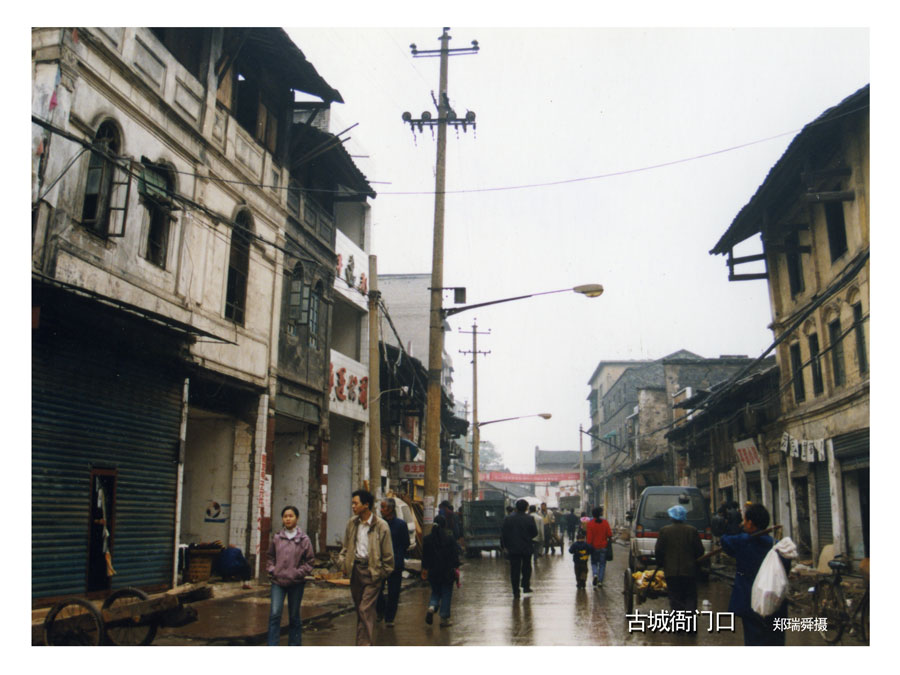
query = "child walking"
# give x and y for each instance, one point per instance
(581, 554)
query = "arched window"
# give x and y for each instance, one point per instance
(315, 303)
(98, 192)
(238, 268)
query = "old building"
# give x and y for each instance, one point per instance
(163, 233)
(812, 213)
(407, 302)
(631, 411)
(565, 464)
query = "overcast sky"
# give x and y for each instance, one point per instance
(556, 187)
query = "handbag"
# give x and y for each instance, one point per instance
(609, 550)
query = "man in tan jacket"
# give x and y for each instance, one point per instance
(367, 557)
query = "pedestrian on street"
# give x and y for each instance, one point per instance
(440, 567)
(748, 552)
(367, 557)
(549, 522)
(516, 535)
(537, 543)
(599, 536)
(386, 606)
(677, 550)
(290, 560)
(572, 524)
(581, 554)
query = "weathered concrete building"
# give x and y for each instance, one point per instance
(812, 212)
(161, 246)
(407, 299)
(630, 420)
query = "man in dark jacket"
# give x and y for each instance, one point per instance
(677, 550)
(516, 535)
(386, 606)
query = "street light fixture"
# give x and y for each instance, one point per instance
(590, 290)
(545, 416)
(435, 355)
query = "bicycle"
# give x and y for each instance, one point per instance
(840, 612)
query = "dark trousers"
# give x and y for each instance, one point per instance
(581, 573)
(520, 568)
(759, 631)
(682, 593)
(387, 602)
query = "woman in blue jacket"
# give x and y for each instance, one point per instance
(748, 549)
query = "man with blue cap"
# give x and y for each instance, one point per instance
(677, 550)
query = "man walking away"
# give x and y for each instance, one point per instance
(516, 535)
(599, 536)
(572, 524)
(387, 604)
(677, 550)
(367, 557)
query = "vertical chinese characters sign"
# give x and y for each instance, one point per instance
(747, 453)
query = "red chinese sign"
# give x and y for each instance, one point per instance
(412, 470)
(747, 452)
(504, 477)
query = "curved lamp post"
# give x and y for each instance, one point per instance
(476, 443)
(435, 364)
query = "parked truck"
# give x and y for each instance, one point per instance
(482, 523)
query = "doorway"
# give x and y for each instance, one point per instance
(102, 527)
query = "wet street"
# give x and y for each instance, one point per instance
(557, 614)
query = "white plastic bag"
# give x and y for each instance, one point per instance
(770, 586)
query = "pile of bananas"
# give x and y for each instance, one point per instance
(642, 578)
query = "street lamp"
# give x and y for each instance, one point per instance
(545, 416)
(435, 364)
(590, 290)
(476, 443)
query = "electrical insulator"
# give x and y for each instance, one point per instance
(406, 116)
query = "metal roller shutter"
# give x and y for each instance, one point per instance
(96, 408)
(823, 504)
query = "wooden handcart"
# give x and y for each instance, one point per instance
(128, 617)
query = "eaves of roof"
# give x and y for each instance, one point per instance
(784, 176)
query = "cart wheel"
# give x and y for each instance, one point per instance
(73, 622)
(628, 590)
(133, 633)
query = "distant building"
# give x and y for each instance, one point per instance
(556, 461)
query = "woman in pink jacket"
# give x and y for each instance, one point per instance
(290, 560)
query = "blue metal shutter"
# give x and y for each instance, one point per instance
(96, 408)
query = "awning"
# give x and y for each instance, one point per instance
(154, 317)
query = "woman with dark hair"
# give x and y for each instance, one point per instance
(290, 560)
(599, 536)
(440, 565)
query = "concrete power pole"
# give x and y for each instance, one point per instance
(476, 432)
(446, 116)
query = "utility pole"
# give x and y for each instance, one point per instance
(446, 116)
(374, 393)
(476, 432)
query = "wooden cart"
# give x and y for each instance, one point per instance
(128, 617)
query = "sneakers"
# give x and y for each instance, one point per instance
(527, 591)
(389, 624)
(446, 622)
(429, 616)
(596, 582)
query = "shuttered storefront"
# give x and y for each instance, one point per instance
(852, 450)
(109, 408)
(823, 504)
